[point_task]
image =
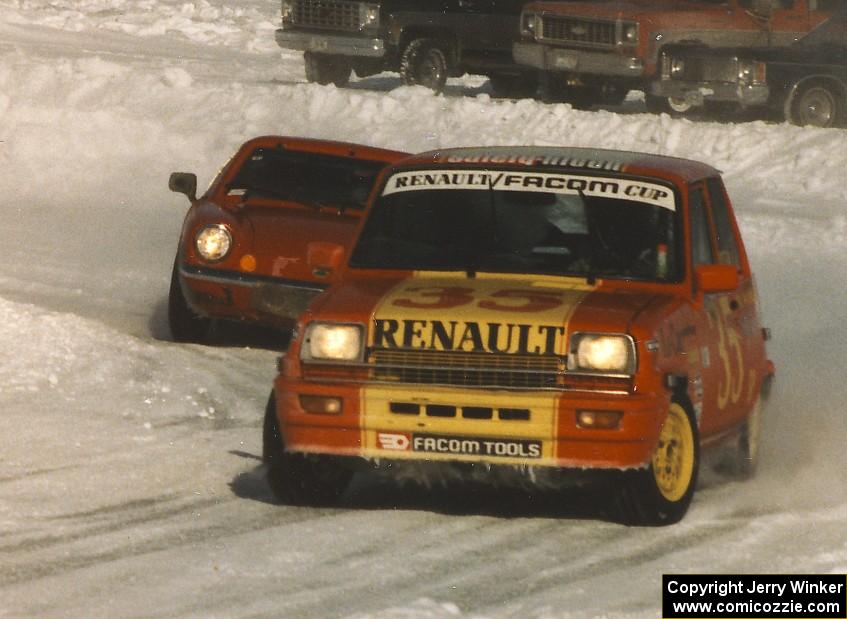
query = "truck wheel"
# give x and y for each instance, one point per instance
(324, 69)
(299, 479)
(662, 493)
(186, 325)
(816, 105)
(512, 86)
(671, 106)
(424, 63)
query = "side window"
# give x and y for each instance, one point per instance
(727, 243)
(701, 246)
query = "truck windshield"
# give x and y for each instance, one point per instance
(587, 229)
(306, 178)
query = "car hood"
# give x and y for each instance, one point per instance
(500, 314)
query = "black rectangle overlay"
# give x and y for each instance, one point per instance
(755, 596)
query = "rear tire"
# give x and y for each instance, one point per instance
(325, 69)
(299, 479)
(186, 325)
(662, 493)
(743, 458)
(817, 105)
(424, 63)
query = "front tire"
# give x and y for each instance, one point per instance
(186, 325)
(662, 493)
(325, 69)
(299, 479)
(424, 63)
(817, 105)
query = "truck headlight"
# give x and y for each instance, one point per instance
(529, 25)
(369, 15)
(213, 242)
(330, 341)
(286, 10)
(602, 353)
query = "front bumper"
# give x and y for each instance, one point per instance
(550, 58)
(379, 422)
(333, 44)
(697, 93)
(241, 296)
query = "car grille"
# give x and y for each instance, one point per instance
(327, 14)
(466, 369)
(583, 32)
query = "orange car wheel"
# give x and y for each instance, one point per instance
(185, 324)
(299, 479)
(662, 493)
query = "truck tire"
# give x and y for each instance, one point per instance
(676, 108)
(662, 493)
(299, 479)
(186, 325)
(817, 105)
(324, 69)
(424, 63)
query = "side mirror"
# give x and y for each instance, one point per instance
(712, 278)
(185, 183)
(324, 258)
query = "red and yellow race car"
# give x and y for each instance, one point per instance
(532, 314)
(242, 251)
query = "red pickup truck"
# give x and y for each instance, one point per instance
(595, 52)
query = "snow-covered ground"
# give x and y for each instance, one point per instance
(130, 484)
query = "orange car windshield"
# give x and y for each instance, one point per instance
(509, 231)
(312, 179)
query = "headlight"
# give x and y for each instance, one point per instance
(529, 25)
(602, 353)
(325, 341)
(369, 15)
(286, 10)
(677, 67)
(213, 242)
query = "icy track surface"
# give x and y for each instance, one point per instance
(130, 481)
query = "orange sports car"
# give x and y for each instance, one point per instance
(531, 315)
(242, 251)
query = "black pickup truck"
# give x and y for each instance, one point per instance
(426, 41)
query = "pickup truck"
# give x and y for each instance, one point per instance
(528, 316)
(804, 83)
(594, 52)
(425, 41)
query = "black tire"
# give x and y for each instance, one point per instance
(424, 63)
(513, 86)
(325, 69)
(298, 479)
(817, 105)
(677, 108)
(186, 325)
(662, 493)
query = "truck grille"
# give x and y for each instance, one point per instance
(467, 369)
(327, 14)
(582, 32)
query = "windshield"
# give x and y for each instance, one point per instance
(307, 178)
(832, 30)
(586, 226)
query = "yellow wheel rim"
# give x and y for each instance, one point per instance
(673, 461)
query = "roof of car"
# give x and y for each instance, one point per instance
(571, 158)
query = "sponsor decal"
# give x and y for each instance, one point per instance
(539, 160)
(568, 184)
(468, 446)
(393, 441)
(490, 337)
